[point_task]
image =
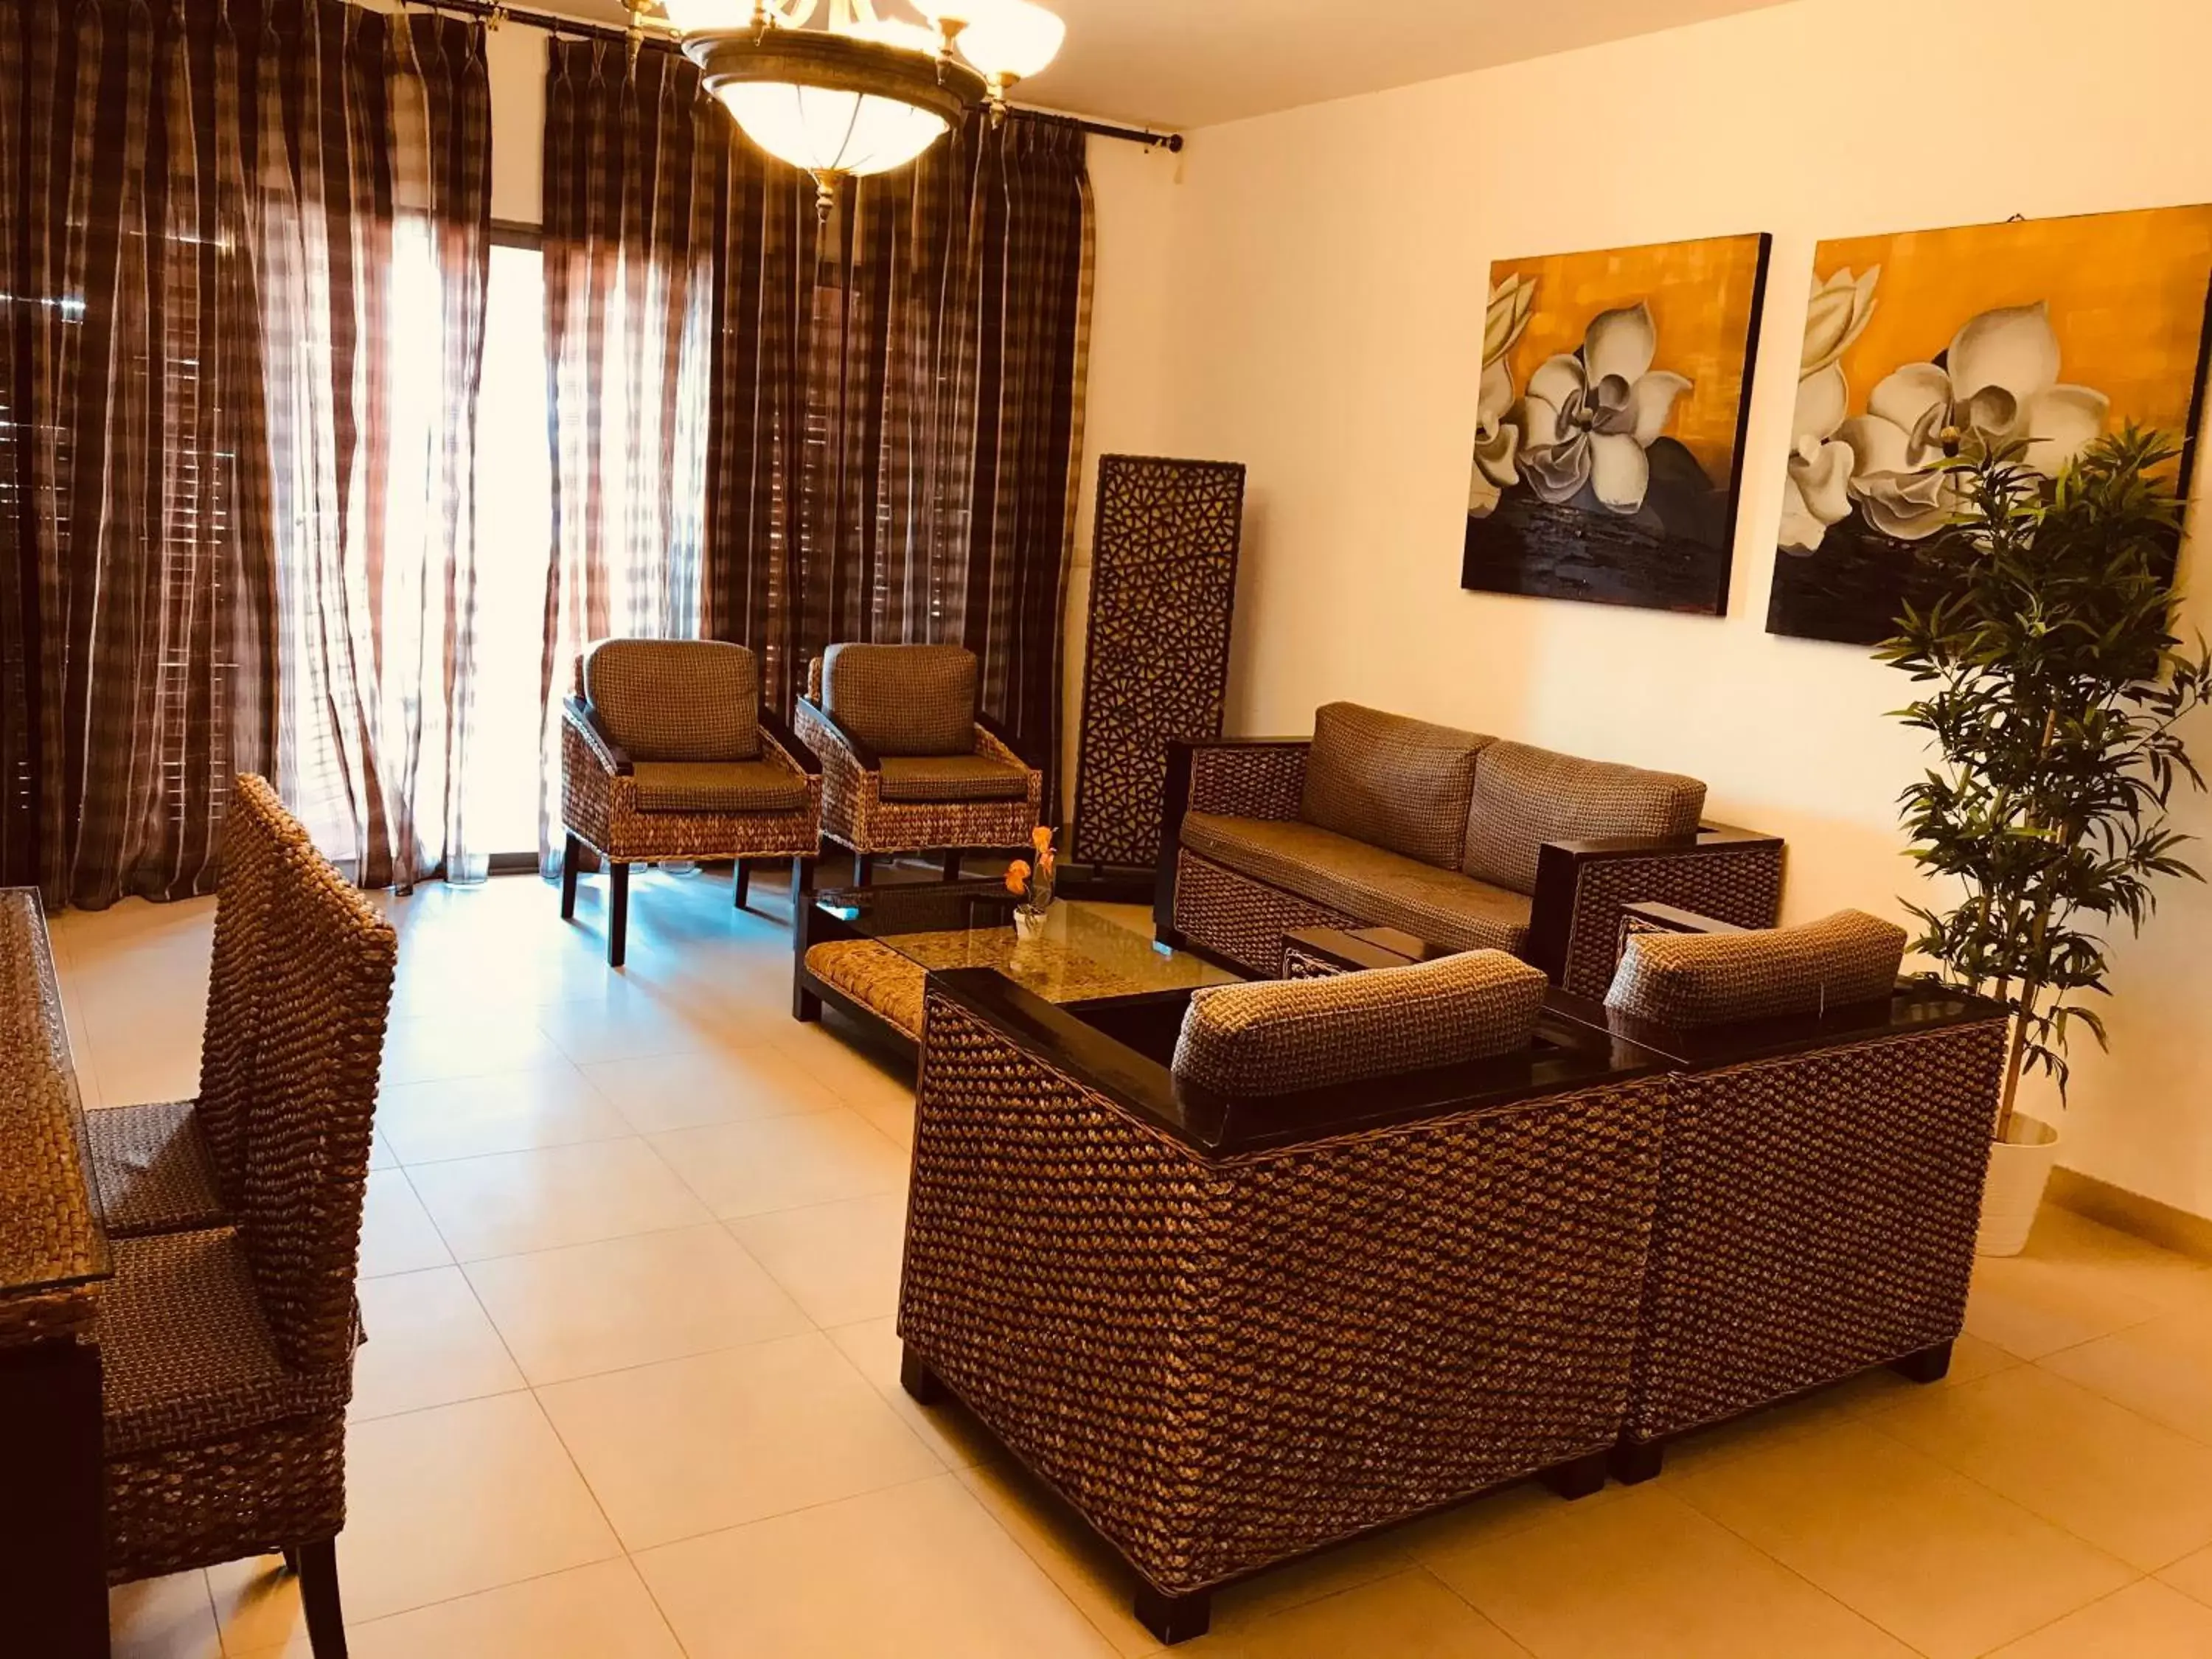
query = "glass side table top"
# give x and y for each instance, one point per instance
(1086, 950)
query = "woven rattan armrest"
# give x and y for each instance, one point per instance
(1916, 1006)
(779, 738)
(1239, 777)
(861, 756)
(992, 731)
(585, 720)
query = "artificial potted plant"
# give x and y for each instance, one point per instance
(2056, 685)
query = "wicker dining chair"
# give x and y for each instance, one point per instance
(909, 762)
(171, 1166)
(228, 1352)
(667, 753)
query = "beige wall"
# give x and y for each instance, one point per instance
(1320, 321)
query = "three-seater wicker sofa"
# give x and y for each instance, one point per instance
(1465, 842)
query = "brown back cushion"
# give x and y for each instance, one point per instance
(677, 700)
(1711, 979)
(1395, 783)
(1275, 1036)
(903, 699)
(1524, 796)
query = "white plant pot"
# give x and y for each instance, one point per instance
(1029, 924)
(2019, 1168)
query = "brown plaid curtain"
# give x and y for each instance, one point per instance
(180, 186)
(892, 402)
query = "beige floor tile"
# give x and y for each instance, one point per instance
(549, 1105)
(688, 1446)
(605, 1306)
(153, 1064)
(423, 1047)
(958, 1440)
(2162, 1369)
(2077, 1281)
(2193, 1575)
(595, 1032)
(1650, 1575)
(839, 1262)
(783, 1163)
(916, 1573)
(457, 1500)
(557, 1195)
(856, 1067)
(256, 1604)
(2124, 1483)
(1938, 1560)
(1408, 1615)
(601, 1612)
(428, 1344)
(169, 1618)
(397, 1233)
(380, 1150)
(719, 1085)
(2146, 1620)
(1493, 1516)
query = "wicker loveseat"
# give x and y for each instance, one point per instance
(1461, 840)
(1233, 1320)
(1827, 1139)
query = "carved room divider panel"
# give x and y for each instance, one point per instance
(1156, 668)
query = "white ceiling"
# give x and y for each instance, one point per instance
(1191, 62)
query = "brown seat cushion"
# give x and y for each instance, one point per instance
(1711, 979)
(757, 786)
(903, 699)
(153, 1169)
(951, 778)
(677, 700)
(1524, 796)
(1403, 785)
(1438, 907)
(1273, 1036)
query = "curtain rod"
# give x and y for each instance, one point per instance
(496, 13)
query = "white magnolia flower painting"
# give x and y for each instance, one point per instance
(1608, 423)
(2032, 337)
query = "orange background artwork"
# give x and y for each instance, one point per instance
(1701, 296)
(2126, 293)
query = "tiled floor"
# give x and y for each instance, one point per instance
(631, 1261)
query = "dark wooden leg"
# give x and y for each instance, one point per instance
(1929, 1365)
(1174, 1619)
(743, 882)
(952, 864)
(864, 866)
(318, 1567)
(1635, 1462)
(1577, 1479)
(53, 1572)
(802, 879)
(618, 914)
(918, 1380)
(572, 858)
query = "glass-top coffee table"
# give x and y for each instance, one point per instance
(867, 951)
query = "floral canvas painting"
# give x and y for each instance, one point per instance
(1929, 344)
(1609, 425)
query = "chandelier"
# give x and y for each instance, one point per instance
(860, 93)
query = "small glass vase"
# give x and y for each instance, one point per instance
(1028, 923)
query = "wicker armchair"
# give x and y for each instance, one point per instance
(172, 1166)
(227, 1353)
(1826, 1145)
(909, 762)
(667, 753)
(1459, 840)
(1237, 1288)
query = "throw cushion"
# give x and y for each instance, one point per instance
(719, 787)
(1709, 978)
(1369, 885)
(903, 699)
(949, 779)
(1524, 796)
(1403, 785)
(1275, 1036)
(677, 700)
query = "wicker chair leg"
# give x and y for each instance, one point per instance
(1174, 1619)
(743, 883)
(1632, 1463)
(317, 1565)
(618, 913)
(572, 859)
(952, 864)
(1929, 1365)
(1579, 1477)
(920, 1381)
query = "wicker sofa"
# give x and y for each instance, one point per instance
(1233, 1320)
(1461, 840)
(1824, 1154)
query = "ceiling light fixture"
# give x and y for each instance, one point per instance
(861, 93)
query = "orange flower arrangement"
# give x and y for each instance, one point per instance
(1032, 884)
